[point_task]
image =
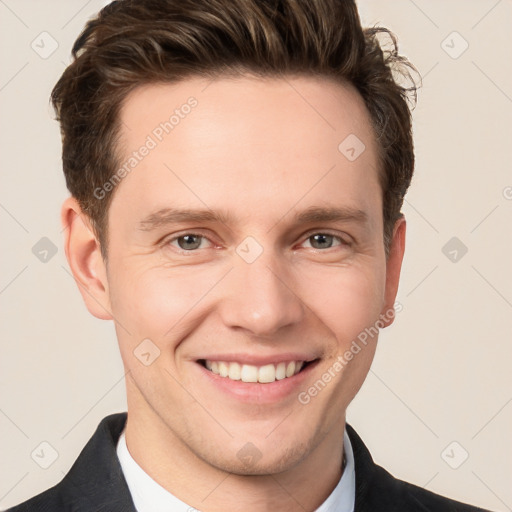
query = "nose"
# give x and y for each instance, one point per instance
(260, 298)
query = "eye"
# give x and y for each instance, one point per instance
(188, 242)
(324, 241)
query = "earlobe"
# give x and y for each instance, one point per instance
(393, 267)
(84, 257)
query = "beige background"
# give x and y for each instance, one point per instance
(442, 371)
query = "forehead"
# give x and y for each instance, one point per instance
(252, 138)
(304, 106)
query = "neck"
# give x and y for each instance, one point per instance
(169, 461)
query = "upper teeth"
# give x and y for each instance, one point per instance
(249, 373)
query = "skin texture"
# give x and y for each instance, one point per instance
(261, 151)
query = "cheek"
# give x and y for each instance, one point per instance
(155, 302)
(346, 300)
(156, 305)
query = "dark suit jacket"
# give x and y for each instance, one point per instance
(95, 482)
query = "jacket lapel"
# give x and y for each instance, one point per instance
(96, 481)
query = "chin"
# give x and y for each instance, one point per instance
(249, 460)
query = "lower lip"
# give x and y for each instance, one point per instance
(257, 392)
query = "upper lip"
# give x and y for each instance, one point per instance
(258, 359)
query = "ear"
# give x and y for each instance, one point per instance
(85, 260)
(393, 267)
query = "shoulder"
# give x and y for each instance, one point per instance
(47, 501)
(391, 494)
(378, 490)
(95, 482)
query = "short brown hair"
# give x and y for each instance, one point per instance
(135, 42)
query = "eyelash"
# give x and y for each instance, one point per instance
(343, 242)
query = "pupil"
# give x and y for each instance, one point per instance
(187, 242)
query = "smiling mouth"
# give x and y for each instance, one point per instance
(265, 374)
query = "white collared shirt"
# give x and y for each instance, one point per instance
(149, 496)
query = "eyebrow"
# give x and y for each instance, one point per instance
(331, 214)
(167, 216)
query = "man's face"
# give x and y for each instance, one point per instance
(263, 284)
